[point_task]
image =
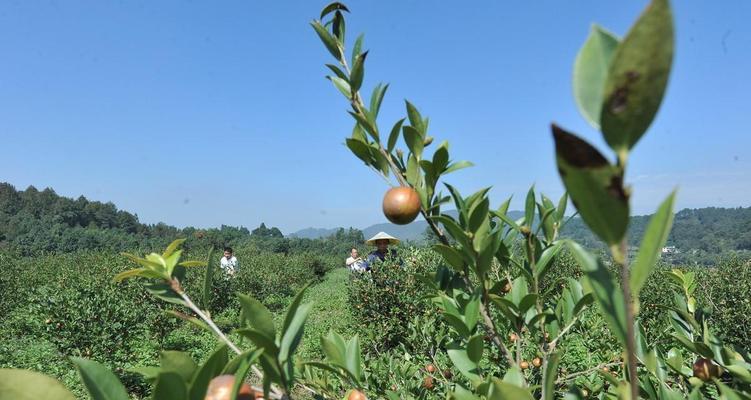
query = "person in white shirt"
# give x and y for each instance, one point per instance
(354, 262)
(229, 262)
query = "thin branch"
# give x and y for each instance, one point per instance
(630, 334)
(586, 372)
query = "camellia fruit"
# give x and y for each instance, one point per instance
(430, 368)
(356, 395)
(524, 365)
(220, 388)
(401, 205)
(427, 383)
(705, 369)
(536, 362)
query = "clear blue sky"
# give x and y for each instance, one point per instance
(206, 113)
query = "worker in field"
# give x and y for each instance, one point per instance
(354, 262)
(382, 240)
(229, 262)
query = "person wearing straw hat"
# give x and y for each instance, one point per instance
(381, 240)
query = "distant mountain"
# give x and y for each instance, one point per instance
(414, 231)
(313, 233)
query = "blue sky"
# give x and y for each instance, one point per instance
(206, 113)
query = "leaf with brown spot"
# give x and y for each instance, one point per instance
(595, 186)
(637, 77)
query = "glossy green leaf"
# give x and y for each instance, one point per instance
(261, 341)
(595, 186)
(357, 47)
(258, 315)
(172, 247)
(358, 71)
(547, 259)
(169, 386)
(338, 72)
(293, 332)
(604, 288)
(590, 72)
(99, 381)
(178, 362)
(654, 239)
(242, 372)
(475, 348)
(452, 256)
(478, 214)
(334, 348)
(359, 149)
(457, 166)
(376, 98)
(163, 291)
(415, 119)
(210, 369)
(366, 125)
(413, 139)
(20, 384)
(394, 135)
(331, 7)
(462, 362)
(247, 357)
(327, 40)
(529, 207)
(637, 77)
(342, 85)
(549, 376)
(354, 362)
(500, 390)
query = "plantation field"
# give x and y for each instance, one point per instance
(63, 305)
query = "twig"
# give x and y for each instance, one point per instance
(630, 334)
(586, 372)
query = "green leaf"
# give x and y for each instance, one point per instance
(178, 362)
(142, 272)
(293, 332)
(475, 348)
(546, 259)
(357, 48)
(20, 384)
(605, 289)
(500, 390)
(291, 316)
(595, 186)
(261, 341)
(394, 136)
(451, 255)
(354, 363)
(338, 72)
(163, 291)
(376, 98)
(441, 157)
(333, 7)
(366, 124)
(208, 279)
(529, 207)
(333, 347)
(590, 72)
(258, 315)
(358, 71)
(654, 238)
(208, 371)
(327, 40)
(342, 85)
(172, 247)
(514, 376)
(637, 77)
(561, 209)
(242, 372)
(457, 166)
(169, 386)
(549, 375)
(413, 139)
(462, 362)
(415, 119)
(359, 149)
(246, 357)
(100, 382)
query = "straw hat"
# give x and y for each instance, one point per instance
(380, 236)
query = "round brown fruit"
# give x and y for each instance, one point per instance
(513, 337)
(605, 369)
(448, 374)
(705, 369)
(430, 368)
(356, 395)
(401, 205)
(220, 388)
(536, 362)
(524, 365)
(585, 393)
(427, 383)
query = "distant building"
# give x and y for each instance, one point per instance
(669, 250)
